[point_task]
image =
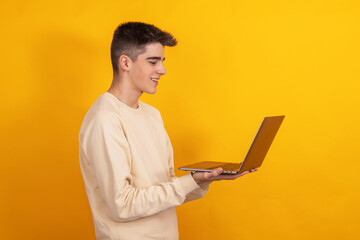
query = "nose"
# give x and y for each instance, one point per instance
(161, 69)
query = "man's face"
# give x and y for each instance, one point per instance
(148, 68)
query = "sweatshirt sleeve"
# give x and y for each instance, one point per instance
(107, 150)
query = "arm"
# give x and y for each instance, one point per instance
(203, 179)
(107, 149)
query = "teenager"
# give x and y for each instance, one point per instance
(126, 157)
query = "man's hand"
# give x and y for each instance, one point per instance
(215, 175)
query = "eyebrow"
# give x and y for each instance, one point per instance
(155, 58)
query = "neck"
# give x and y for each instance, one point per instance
(123, 91)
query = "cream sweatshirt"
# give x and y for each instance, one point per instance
(126, 160)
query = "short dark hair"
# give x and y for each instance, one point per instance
(131, 38)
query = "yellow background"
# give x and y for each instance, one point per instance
(236, 62)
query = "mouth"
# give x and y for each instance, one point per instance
(155, 79)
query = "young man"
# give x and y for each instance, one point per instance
(126, 157)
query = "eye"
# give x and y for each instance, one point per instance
(153, 63)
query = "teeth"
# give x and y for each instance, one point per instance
(154, 79)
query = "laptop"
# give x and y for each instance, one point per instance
(255, 155)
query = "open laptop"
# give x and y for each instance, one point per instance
(254, 157)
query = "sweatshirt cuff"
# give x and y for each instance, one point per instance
(187, 184)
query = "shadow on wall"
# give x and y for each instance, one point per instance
(46, 196)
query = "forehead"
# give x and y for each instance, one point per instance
(153, 49)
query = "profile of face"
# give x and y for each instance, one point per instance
(145, 72)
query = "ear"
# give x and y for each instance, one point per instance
(124, 63)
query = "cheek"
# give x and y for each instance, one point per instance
(145, 74)
(141, 73)
(141, 77)
(136, 74)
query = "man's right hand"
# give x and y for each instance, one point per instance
(215, 175)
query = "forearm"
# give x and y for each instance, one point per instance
(132, 203)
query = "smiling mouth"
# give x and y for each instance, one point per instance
(155, 79)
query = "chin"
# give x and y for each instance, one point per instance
(152, 91)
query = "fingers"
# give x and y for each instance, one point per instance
(216, 175)
(246, 172)
(243, 173)
(217, 171)
(212, 174)
(234, 176)
(226, 177)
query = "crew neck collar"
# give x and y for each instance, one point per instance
(124, 105)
